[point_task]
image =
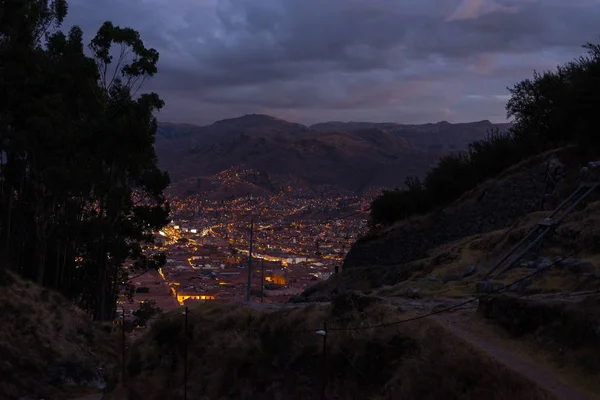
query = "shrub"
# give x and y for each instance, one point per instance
(454, 174)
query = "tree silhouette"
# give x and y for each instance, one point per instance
(80, 189)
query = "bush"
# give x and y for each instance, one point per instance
(147, 311)
(454, 175)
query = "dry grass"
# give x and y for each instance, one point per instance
(577, 230)
(48, 348)
(247, 354)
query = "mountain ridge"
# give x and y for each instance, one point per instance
(352, 156)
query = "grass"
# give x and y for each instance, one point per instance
(242, 353)
(484, 250)
(48, 348)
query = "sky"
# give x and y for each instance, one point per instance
(308, 61)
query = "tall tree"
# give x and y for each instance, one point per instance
(80, 189)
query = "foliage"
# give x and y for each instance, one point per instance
(552, 109)
(454, 174)
(80, 189)
(147, 311)
(559, 107)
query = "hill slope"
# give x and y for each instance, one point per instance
(354, 157)
(236, 352)
(48, 348)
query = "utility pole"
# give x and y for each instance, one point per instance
(324, 364)
(123, 347)
(262, 281)
(185, 354)
(250, 260)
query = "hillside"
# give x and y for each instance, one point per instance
(48, 348)
(541, 316)
(475, 230)
(353, 157)
(238, 352)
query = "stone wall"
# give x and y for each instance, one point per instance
(495, 204)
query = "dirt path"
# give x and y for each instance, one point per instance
(535, 373)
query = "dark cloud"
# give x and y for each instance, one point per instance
(312, 60)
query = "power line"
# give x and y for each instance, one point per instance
(432, 313)
(498, 290)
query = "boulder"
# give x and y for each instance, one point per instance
(527, 264)
(413, 293)
(450, 277)
(520, 286)
(488, 286)
(471, 270)
(543, 263)
(576, 266)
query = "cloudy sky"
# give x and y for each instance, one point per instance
(410, 61)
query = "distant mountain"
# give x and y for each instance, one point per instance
(352, 156)
(438, 136)
(168, 130)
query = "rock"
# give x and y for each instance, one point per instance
(450, 277)
(488, 286)
(471, 270)
(430, 278)
(413, 293)
(543, 264)
(576, 266)
(593, 164)
(527, 264)
(520, 286)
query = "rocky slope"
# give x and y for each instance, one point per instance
(448, 252)
(496, 204)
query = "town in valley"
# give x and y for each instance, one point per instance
(298, 237)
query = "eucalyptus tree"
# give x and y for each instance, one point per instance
(80, 191)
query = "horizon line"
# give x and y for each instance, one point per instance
(507, 121)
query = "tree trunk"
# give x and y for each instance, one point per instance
(57, 269)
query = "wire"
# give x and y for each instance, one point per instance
(432, 313)
(498, 290)
(353, 365)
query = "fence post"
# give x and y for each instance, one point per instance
(324, 363)
(123, 348)
(185, 350)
